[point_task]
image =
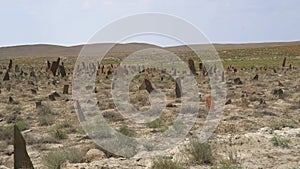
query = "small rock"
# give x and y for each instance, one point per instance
(94, 155)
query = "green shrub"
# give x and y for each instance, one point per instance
(56, 158)
(46, 119)
(127, 131)
(6, 134)
(157, 123)
(165, 163)
(281, 142)
(278, 125)
(22, 125)
(201, 153)
(59, 134)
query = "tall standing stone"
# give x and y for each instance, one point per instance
(17, 69)
(200, 66)
(62, 71)
(283, 62)
(10, 64)
(223, 76)
(21, 158)
(192, 66)
(54, 66)
(178, 88)
(6, 76)
(66, 89)
(149, 86)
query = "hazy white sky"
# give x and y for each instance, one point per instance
(71, 22)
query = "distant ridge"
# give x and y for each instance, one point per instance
(56, 50)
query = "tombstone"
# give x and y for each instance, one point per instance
(278, 92)
(10, 64)
(48, 65)
(21, 158)
(62, 71)
(290, 66)
(235, 70)
(149, 86)
(223, 76)
(6, 76)
(175, 72)
(161, 78)
(209, 103)
(51, 97)
(228, 102)
(255, 77)
(178, 90)
(38, 104)
(192, 66)
(33, 91)
(32, 74)
(238, 81)
(274, 70)
(10, 100)
(66, 89)
(102, 69)
(200, 66)
(283, 62)
(17, 69)
(54, 66)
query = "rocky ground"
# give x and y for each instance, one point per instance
(260, 126)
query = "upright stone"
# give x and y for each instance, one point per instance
(149, 86)
(48, 65)
(283, 62)
(54, 66)
(200, 66)
(6, 76)
(178, 88)
(62, 71)
(223, 76)
(17, 69)
(66, 89)
(256, 77)
(10, 64)
(192, 66)
(21, 158)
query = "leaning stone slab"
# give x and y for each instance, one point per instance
(21, 158)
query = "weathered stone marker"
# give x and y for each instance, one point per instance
(200, 66)
(54, 66)
(21, 158)
(62, 71)
(255, 77)
(223, 76)
(178, 88)
(238, 81)
(283, 62)
(192, 66)
(66, 89)
(149, 86)
(10, 64)
(38, 104)
(6, 76)
(17, 69)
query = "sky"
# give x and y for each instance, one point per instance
(73, 22)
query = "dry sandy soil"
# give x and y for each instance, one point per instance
(260, 126)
